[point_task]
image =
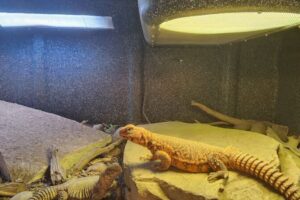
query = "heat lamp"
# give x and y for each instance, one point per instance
(215, 21)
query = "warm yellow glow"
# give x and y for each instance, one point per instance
(231, 22)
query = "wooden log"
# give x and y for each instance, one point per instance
(93, 154)
(72, 158)
(11, 189)
(4, 172)
(101, 160)
(247, 125)
(57, 173)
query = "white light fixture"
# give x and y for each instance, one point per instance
(55, 21)
(223, 23)
(215, 22)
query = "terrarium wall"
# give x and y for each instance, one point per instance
(106, 76)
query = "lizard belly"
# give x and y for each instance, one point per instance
(190, 167)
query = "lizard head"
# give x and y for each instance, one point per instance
(133, 133)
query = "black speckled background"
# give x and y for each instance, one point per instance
(102, 76)
(76, 74)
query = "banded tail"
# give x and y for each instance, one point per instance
(45, 194)
(266, 172)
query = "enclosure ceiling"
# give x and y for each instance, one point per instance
(55, 21)
(215, 22)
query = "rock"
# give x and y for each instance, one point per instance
(22, 196)
(289, 164)
(98, 127)
(144, 183)
(27, 133)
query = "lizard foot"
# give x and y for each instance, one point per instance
(214, 176)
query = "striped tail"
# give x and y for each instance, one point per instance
(45, 194)
(266, 172)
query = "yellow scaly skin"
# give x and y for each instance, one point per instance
(85, 188)
(197, 157)
(80, 189)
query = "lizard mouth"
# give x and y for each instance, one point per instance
(125, 132)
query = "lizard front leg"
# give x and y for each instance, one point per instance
(165, 160)
(219, 168)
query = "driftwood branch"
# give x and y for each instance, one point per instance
(93, 154)
(72, 158)
(292, 143)
(11, 189)
(248, 125)
(4, 172)
(57, 173)
(218, 115)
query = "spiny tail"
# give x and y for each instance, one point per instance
(266, 172)
(45, 194)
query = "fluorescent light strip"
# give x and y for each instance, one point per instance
(55, 21)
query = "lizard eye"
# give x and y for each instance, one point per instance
(129, 129)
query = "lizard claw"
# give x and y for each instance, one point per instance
(214, 176)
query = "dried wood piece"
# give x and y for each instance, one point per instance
(93, 154)
(72, 158)
(4, 172)
(248, 125)
(57, 173)
(102, 160)
(11, 189)
(292, 143)
(113, 153)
